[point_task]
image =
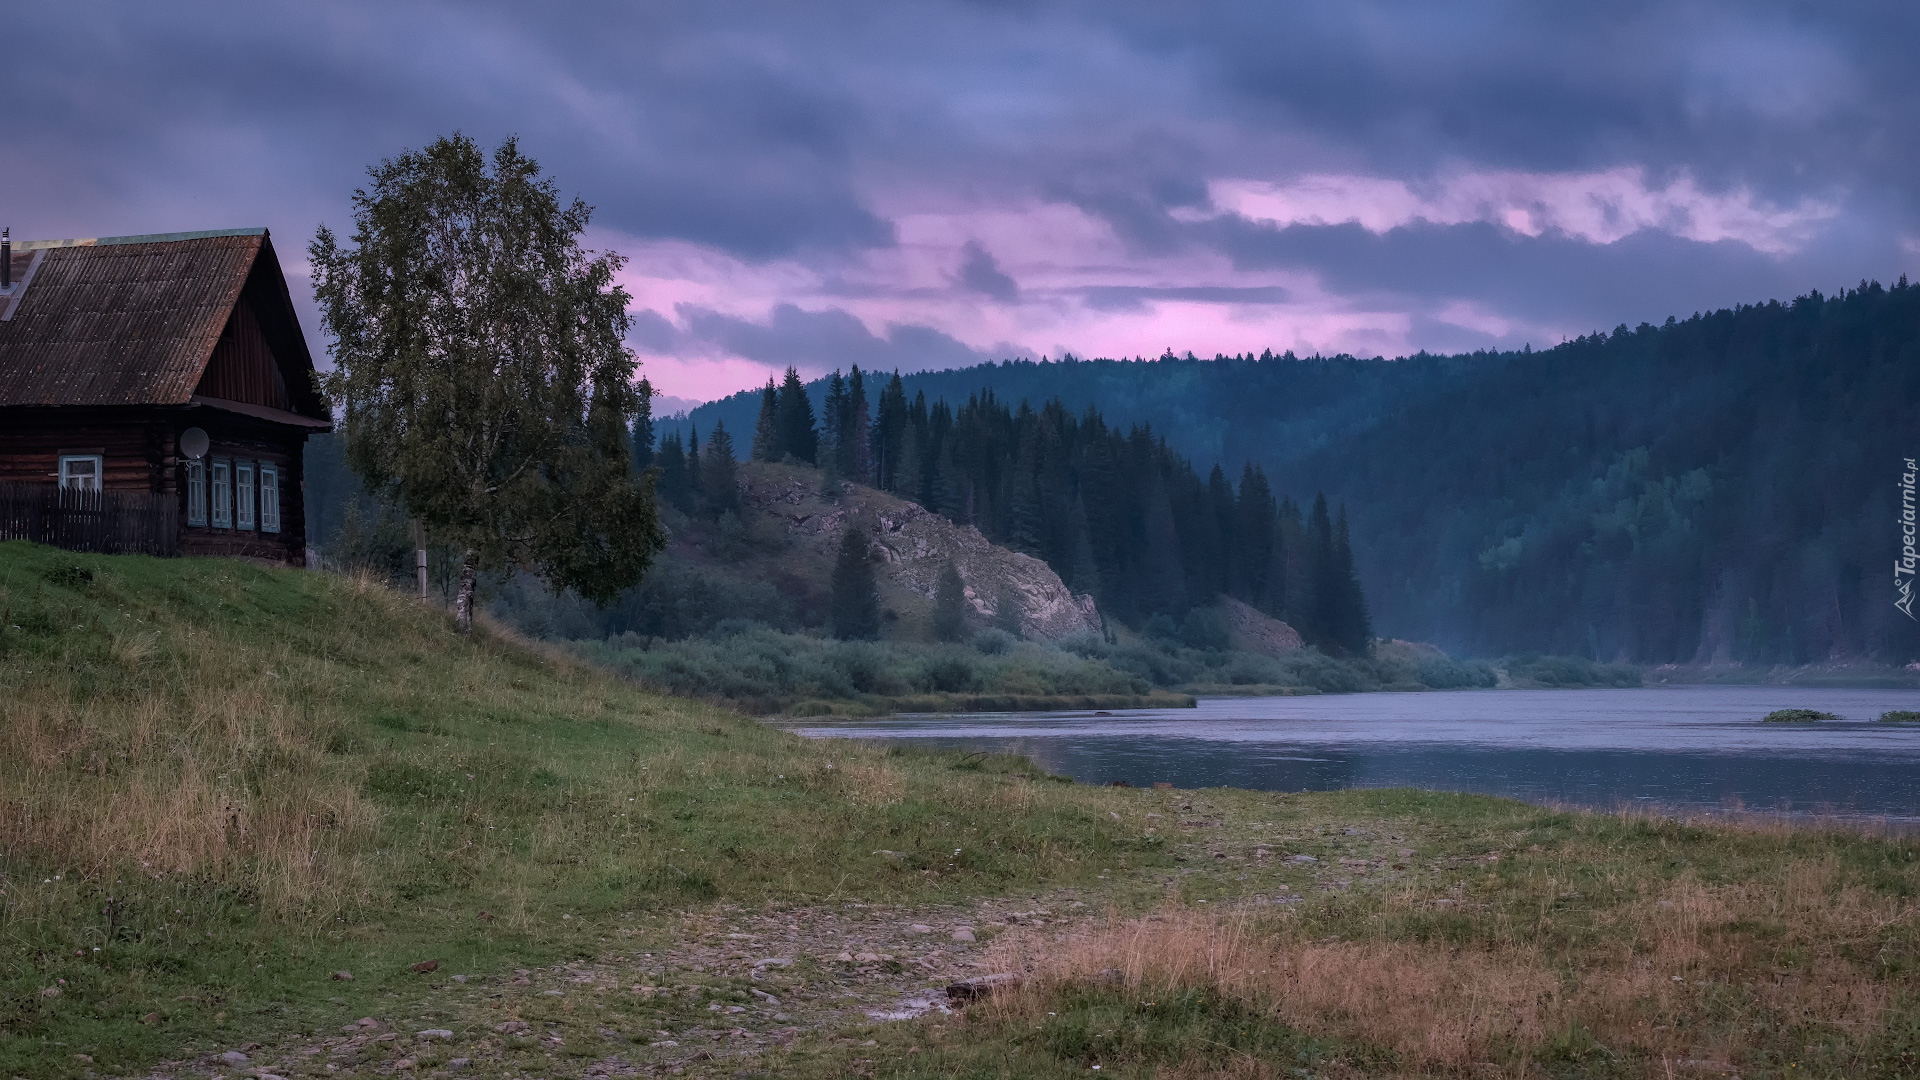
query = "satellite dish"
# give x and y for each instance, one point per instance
(194, 443)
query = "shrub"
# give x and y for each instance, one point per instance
(1900, 716)
(1797, 716)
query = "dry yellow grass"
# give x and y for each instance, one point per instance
(1657, 983)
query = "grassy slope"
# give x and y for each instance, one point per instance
(231, 781)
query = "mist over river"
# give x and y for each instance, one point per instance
(1688, 748)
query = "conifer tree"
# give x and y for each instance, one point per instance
(766, 435)
(1352, 629)
(675, 486)
(695, 471)
(854, 606)
(793, 422)
(719, 482)
(642, 434)
(949, 605)
(833, 419)
(858, 463)
(890, 435)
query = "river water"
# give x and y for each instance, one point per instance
(1686, 749)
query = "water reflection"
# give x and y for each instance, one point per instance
(1689, 748)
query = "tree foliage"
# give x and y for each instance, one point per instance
(481, 367)
(855, 611)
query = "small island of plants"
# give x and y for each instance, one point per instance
(1797, 716)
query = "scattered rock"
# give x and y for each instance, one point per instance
(234, 1058)
(983, 986)
(766, 997)
(513, 1027)
(867, 957)
(427, 965)
(1302, 859)
(150, 1019)
(963, 934)
(1262, 853)
(404, 1063)
(456, 1064)
(459, 978)
(921, 928)
(87, 1058)
(435, 1033)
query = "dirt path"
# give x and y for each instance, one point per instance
(702, 993)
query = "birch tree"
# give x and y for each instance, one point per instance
(481, 369)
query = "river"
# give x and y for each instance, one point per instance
(1686, 749)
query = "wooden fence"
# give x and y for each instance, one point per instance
(109, 522)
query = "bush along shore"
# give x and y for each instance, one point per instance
(764, 671)
(290, 823)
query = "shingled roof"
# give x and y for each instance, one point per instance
(133, 320)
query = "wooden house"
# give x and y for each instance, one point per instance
(163, 373)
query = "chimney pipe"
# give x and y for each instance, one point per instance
(6, 258)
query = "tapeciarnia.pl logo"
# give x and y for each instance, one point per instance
(1903, 567)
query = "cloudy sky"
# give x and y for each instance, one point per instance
(930, 184)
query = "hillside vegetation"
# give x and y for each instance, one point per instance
(222, 784)
(231, 780)
(1719, 489)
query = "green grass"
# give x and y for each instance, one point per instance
(220, 783)
(231, 780)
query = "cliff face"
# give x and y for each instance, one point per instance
(911, 544)
(1257, 632)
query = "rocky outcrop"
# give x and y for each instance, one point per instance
(1255, 631)
(913, 543)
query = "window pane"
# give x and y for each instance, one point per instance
(243, 494)
(80, 471)
(222, 494)
(269, 498)
(197, 493)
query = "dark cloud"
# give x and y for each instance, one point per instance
(981, 274)
(818, 341)
(798, 132)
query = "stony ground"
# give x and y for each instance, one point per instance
(703, 993)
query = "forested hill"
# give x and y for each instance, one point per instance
(1719, 488)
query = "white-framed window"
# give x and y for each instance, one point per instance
(197, 493)
(80, 471)
(269, 497)
(222, 472)
(243, 494)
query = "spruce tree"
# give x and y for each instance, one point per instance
(719, 481)
(675, 487)
(641, 437)
(949, 605)
(766, 435)
(890, 435)
(793, 422)
(1322, 600)
(854, 607)
(855, 430)
(833, 424)
(695, 472)
(1353, 630)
